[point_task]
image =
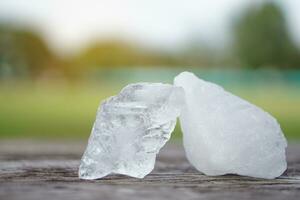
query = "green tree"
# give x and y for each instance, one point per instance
(24, 52)
(262, 38)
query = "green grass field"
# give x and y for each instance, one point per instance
(59, 111)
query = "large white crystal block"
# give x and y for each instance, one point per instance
(224, 134)
(130, 129)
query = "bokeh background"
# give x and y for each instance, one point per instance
(60, 58)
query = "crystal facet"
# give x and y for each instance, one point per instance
(130, 129)
(224, 134)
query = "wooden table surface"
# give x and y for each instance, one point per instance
(48, 170)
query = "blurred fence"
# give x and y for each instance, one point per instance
(230, 77)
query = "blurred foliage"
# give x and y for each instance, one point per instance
(23, 53)
(113, 53)
(262, 38)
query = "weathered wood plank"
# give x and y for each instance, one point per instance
(48, 170)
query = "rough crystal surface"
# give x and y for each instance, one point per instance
(130, 129)
(224, 134)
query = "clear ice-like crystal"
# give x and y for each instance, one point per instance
(130, 129)
(224, 134)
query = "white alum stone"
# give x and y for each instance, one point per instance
(224, 134)
(130, 129)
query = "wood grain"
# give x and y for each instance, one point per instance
(48, 170)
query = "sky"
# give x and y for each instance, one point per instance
(69, 25)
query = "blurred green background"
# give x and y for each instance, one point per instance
(48, 93)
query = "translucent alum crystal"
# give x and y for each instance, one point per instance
(130, 129)
(224, 134)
